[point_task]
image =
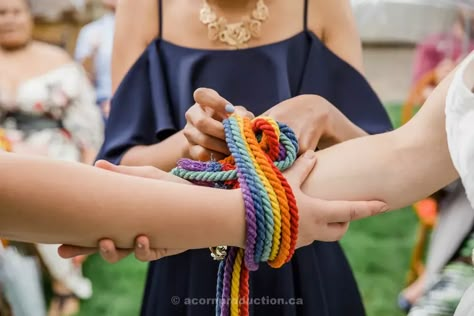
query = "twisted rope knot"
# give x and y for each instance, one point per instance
(260, 150)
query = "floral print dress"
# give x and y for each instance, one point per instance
(53, 114)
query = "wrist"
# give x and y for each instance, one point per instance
(237, 226)
(338, 129)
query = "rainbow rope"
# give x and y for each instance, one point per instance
(260, 150)
(4, 142)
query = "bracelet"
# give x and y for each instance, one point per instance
(218, 253)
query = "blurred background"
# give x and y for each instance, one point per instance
(408, 47)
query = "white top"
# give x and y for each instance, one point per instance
(460, 123)
(97, 38)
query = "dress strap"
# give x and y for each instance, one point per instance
(160, 18)
(305, 16)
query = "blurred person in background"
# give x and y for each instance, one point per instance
(448, 266)
(438, 54)
(47, 108)
(94, 51)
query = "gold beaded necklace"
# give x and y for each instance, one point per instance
(236, 34)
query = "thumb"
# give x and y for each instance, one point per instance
(69, 251)
(302, 168)
(212, 102)
(104, 164)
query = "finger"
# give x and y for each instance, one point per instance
(242, 111)
(143, 172)
(201, 120)
(104, 164)
(144, 253)
(69, 251)
(195, 137)
(142, 249)
(347, 211)
(211, 100)
(111, 254)
(200, 153)
(302, 167)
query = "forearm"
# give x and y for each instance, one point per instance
(59, 202)
(399, 167)
(163, 155)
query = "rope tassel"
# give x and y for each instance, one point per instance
(261, 149)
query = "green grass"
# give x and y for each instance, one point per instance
(118, 288)
(378, 249)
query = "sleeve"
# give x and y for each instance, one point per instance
(331, 77)
(83, 119)
(140, 112)
(349, 91)
(460, 124)
(84, 43)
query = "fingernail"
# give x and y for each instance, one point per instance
(229, 108)
(310, 154)
(140, 246)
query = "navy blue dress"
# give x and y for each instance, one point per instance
(149, 106)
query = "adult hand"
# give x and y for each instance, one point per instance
(321, 219)
(204, 129)
(315, 121)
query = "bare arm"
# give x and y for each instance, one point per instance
(76, 200)
(399, 167)
(136, 25)
(163, 155)
(140, 18)
(342, 37)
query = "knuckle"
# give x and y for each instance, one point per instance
(201, 123)
(319, 221)
(352, 213)
(189, 113)
(188, 132)
(373, 210)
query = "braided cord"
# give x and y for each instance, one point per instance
(261, 149)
